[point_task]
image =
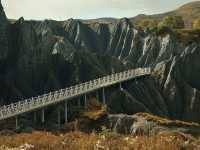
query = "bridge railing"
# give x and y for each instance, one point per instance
(62, 94)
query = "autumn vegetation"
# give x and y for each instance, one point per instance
(104, 139)
(174, 25)
(100, 141)
(196, 24)
(172, 22)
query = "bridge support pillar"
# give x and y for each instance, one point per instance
(66, 112)
(104, 98)
(79, 102)
(35, 117)
(85, 101)
(16, 123)
(120, 86)
(97, 95)
(59, 118)
(43, 116)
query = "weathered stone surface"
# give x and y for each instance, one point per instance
(145, 124)
(3, 35)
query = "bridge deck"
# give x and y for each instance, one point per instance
(61, 95)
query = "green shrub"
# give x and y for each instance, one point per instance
(196, 24)
(186, 36)
(173, 22)
(162, 30)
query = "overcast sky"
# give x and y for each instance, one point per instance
(86, 9)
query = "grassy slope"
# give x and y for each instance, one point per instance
(105, 140)
(82, 141)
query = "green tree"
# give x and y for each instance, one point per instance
(196, 24)
(147, 23)
(173, 22)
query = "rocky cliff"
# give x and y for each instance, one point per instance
(3, 35)
(48, 55)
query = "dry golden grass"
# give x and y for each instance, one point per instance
(94, 115)
(105, 140)
(82, 141)
(168, 122)
(95, 110)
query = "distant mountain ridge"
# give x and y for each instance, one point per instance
(189, 12)
(101, 20)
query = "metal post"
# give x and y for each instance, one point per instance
(104, 98)
(16, 123)
(97, 95)
(79, 102)
(58, 117)
(43, 116)
(120, 86)
(66, 112)
(85, 101)
(35, 117)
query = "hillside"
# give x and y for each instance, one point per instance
(189, 12)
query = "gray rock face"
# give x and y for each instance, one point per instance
(4, 45)
(179, 83)
(47, 55)
(3, 34)
(143, 125)
(126, 124)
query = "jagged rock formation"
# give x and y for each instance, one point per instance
(178, 78)
(146, 124)
(48, 55)
(4, 34)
